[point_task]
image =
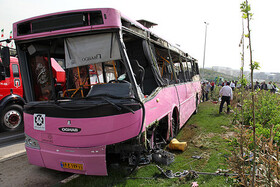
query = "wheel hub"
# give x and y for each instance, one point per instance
(12, 119)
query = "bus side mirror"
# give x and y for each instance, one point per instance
(5, 55)
(2, 72)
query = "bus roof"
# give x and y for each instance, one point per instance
(77, 21)
(66, 22)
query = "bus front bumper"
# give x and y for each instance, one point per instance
(88, 161)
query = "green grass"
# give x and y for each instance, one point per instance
(205, 133)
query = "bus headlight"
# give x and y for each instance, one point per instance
(31, 142)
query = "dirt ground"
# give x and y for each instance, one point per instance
(18, 172)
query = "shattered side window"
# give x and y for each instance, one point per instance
(164, 64)
(186, 70)
(190, 70)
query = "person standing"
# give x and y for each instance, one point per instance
(203, 91)
(263, 86)
(212, 88)
(257, 86)
(232, 85)
(269, 86)
(207, 90)
(226, 94)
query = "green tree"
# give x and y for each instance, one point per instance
(247, 16)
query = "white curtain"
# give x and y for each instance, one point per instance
(91, 49)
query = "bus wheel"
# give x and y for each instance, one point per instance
(174, 128)
(11, 118)
(196, 106)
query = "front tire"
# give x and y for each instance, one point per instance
(11, 118)
(175, 128)
(196, 106)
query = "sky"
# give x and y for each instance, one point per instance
(182, 22)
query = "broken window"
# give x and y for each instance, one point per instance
(191, 73)
(165, 65)
(178, 69)
(99, 73)
(142, 65)
(186, 69)
(76, 70)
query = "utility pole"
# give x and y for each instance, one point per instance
(206, 24)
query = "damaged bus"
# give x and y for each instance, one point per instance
(127, 90)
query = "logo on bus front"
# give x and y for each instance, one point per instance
(69, 129)
(39, 122)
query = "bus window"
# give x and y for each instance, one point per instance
(164, 63)
(143, 70)
(186, 69)
(196, 67)
(178, 68)
(190, 70)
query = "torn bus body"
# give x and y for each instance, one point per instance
(126, 89)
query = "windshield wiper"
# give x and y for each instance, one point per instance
(117, 106)
(113, 104)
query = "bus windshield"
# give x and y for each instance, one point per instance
(86, 60)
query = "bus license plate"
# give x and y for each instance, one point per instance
(75, 166)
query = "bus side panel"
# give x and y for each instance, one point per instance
(197, 87)
(190, 102)
(186, 95)
(96, 131)
(161, 105)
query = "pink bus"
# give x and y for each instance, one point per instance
(126, 91)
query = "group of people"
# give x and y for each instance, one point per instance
(206, 87)
(225, 92)
(263, 86)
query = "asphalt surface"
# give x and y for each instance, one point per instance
(7, 137)
(18, 172)
(15, 169)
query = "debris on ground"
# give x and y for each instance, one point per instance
(194, 184)
(143, 160)
(163, 157)
(191, 174)
(176, 145)
(197, 157)
(184, 174)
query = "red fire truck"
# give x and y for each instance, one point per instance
(11, 95)
(11, 90)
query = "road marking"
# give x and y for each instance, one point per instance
(12, 137)
(12, 155)
(64, 181)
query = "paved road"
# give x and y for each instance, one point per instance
(15, 169)
(7, 137)
(18, 172)
(11, 149)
